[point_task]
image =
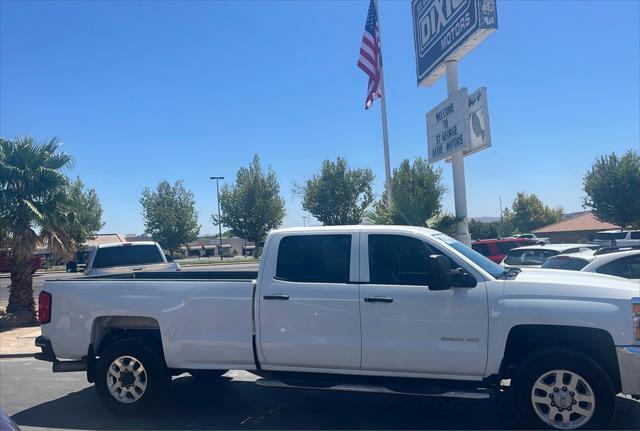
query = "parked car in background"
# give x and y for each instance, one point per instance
(533, 237)
(79, 264)
(496, 249)
(6, 262)
(126, 257)
(618, 261)
(533, 256)
(617, 237)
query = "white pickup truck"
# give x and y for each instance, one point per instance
(391, 309)
(126, 257)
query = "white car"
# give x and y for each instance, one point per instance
(387, 309)
(532, 237)
(534, 256)
(624, 238)
(618, 261)
(128, 257)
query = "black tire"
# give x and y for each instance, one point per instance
(155, 376)
(207, 374)
(547, 360)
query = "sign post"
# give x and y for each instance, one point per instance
(445, 31)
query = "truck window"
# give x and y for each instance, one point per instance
(627, 267)
(397, 259)
(127, 256)
(314, 258)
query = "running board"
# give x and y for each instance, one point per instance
(479, 395)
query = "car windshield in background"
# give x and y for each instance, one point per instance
(611, 235)
(568, 263)
(528, 257)
(127, 255)
(492, 268)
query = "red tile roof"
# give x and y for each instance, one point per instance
(585, 221)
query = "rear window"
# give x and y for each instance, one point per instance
(568, 263)
(635, 235)
(505, 246)
(528, 257)
(611, 235)
(127, 256)
(314, 258)
(483, 249)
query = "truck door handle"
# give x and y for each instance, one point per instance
(137, 268)
(378, 299)
(276, 297)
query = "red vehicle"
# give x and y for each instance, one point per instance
(496, 249)
(6, 262)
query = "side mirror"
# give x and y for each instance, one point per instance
(439, 272)
(168, 257)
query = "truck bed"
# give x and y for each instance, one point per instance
(204, 317)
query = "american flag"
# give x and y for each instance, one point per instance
(370, 60)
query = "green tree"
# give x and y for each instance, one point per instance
(528, 213)
(252, 206)
(483, 230)
(613, 189)
(87, 209)
(417, 194)
(34, 210)
(170, 216)
(338, 195)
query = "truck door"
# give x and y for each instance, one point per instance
(408, 328)
(309, 303)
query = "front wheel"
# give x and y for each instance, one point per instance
(130, 377)
(563, 389)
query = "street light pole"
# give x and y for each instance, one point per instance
(219, 219)
(304, 221)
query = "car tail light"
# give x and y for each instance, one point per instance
(44, 307)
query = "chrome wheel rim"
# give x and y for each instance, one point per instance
(563, 399)
(126, 379)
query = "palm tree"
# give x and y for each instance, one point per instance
(33, 210)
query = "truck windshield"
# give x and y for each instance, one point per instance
(492, 268)
(127, 255)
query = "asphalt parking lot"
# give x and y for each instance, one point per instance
(37, 398)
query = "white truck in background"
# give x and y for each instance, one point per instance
(128, 257)
(391, 309)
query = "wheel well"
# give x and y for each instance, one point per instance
(108, 329)
(596, 343)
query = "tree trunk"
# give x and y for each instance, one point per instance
(21, 302)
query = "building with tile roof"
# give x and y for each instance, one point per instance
(578, 227)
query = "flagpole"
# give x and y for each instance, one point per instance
(383, 109)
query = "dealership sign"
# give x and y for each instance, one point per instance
(479, 130)
(447, 30)
(448, 128)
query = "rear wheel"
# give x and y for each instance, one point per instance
(563, 389)
(130, 377)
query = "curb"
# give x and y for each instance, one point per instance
(17, 355)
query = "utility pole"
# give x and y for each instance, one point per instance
(219, 219)
(304, 221)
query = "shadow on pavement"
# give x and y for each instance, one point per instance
(227, 404)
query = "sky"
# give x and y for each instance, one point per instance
(140, 92)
